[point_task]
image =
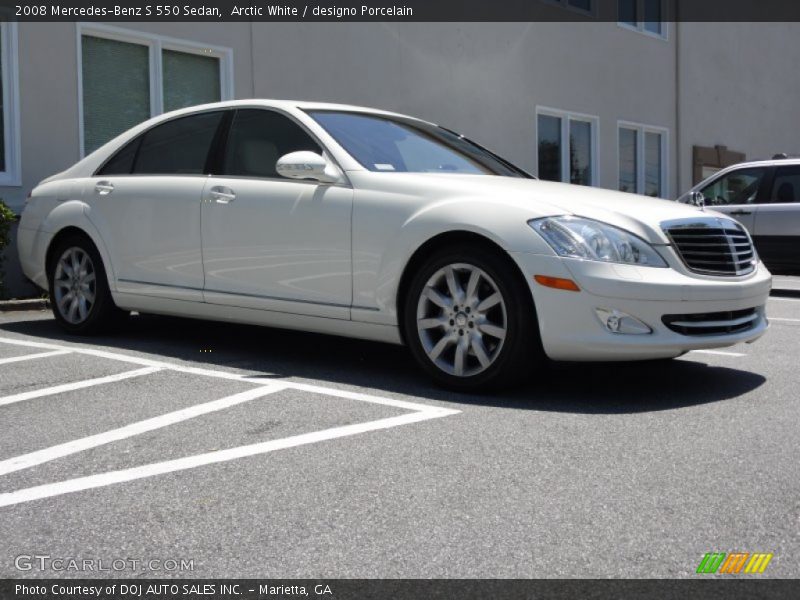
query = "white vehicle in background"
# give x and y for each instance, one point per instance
(363, 223)
(764, 196)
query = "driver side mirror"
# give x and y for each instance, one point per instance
(307, 165)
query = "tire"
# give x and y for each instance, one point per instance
(82, 305)
(488, 338)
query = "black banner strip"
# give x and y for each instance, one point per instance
(400, 10)
(391, 589)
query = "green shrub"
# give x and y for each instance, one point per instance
(7, 217)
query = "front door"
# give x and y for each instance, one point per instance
(272, 243)
(736, 193)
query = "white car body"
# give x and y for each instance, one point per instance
(330, 257)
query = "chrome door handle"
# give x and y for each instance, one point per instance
(222, 195)
(104, 188)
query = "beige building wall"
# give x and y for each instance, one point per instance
(739, 87)
(48, 89)
(484, 80)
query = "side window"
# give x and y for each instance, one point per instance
(258, 138)
(737, 187)
(178, 147)
(122, 162)
(786, 187)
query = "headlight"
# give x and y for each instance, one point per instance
(576, 237)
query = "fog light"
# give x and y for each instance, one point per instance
(621, 323)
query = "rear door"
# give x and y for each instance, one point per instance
(736, 192)
(145, 201)
(777, 222)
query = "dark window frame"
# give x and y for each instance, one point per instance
(764, 186)
(765, 194)
(137, 140)
(217, 168)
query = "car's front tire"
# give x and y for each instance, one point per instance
(79, 293)
(469, 320)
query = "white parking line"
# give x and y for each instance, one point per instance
(14, 359)
(718, 353)
(77, 385)
(784, 320)
(419, 413)
(31, 459)
(191, 462)
(147, 362)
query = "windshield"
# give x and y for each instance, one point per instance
(397, 144)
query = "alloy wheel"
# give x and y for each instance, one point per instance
(75, 285)
(461, 320)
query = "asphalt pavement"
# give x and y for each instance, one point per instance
(230, 451)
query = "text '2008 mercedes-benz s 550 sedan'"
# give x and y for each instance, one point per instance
(363, 223)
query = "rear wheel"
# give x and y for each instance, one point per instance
(469, 320)
(79, 292)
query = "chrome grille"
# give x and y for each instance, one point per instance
(713, 246)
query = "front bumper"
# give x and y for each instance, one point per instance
(571, 330)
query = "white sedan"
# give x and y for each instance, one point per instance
(363, 223)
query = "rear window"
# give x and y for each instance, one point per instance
(122, 162)
(177, 147)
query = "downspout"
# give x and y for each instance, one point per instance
(252, 60)
(678, 151)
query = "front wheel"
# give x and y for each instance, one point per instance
(469, 320)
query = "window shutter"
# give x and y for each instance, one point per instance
(189, 79)
(116, 88)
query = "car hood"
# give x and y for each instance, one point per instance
(534, 198)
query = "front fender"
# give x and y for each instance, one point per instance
(381, 254)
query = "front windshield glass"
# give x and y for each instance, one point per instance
(396, 144)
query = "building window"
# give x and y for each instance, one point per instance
(646, 16)
(9, 107)
(567, 147)
(643, 160)
(189, 79)
(127, 77)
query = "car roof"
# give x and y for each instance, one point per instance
(766, 162)
(286, 105)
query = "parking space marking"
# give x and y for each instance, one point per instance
(191, 462)
(147, 362)
(25, 461)
(718, 353)
(13, 359)
(76, 385)
(784, 320)
(418, 413)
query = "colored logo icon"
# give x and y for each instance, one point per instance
(734, 563)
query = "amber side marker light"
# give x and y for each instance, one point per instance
(557, 283)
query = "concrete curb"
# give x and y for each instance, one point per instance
(19, 305)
